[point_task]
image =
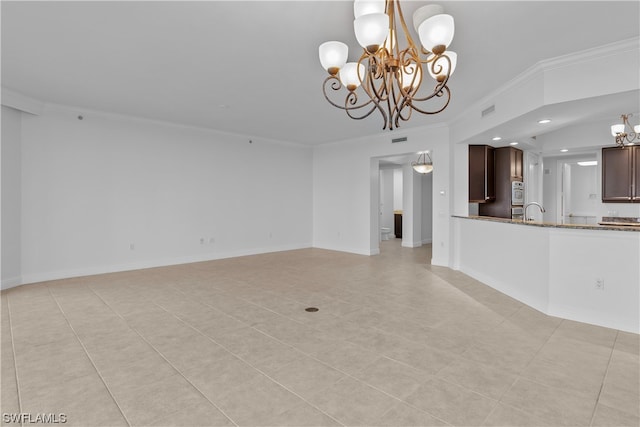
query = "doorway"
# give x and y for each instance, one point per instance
(404, 197)
(579, 191)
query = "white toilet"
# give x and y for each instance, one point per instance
(385, 232)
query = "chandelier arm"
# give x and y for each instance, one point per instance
(336, 85)
(437, 91)
(402, 100)
(448, 97)
(349, 110)
(404, 64)
(406, 102)
(393, 108)
(380, 74)
(407, 34)
(367, 86)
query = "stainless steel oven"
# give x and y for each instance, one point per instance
(517, 213)
(517, 193)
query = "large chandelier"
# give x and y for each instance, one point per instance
(619, 131)
(391, 76)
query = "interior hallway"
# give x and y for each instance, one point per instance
(228, 342)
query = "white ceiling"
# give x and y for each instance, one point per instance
(181, 61)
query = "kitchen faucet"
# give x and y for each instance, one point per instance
(529, 204)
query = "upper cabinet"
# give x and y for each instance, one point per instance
(621, 174)
(635, 194)
(515, 162)
(481, 174)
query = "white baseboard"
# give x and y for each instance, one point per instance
(411, 244)
(11, 282)
(356, 251)
(104, 269)
(506, 289)
(594, 318)
(427, 241)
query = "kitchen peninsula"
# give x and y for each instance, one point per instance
(587, 273)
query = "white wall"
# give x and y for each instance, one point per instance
(586, 142)
(93, 187)
(11, 198)
(397, 189)
(412, 207)
(386, 198)
(427, 208)
(341, 207)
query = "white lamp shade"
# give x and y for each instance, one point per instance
(442, 62)
(349, 74)
(365, 7)
(410, 76)
(423, 168)
(333, 54)
(372, 29)
(437, 30)
(636, 128)
(616, 129)
(424, 13)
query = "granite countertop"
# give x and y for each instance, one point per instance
(627, 225)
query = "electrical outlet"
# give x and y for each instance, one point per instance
(600, 284)
(202, 240)
(212, 239)
(132, 246)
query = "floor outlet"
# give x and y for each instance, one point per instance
(600, 284)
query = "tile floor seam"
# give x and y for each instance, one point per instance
(166, 360)
(89, 356)
(15, 361)
(519, 376)
(418, 409)
(254, 367)
(542, 417)
(146, 286)
(604, 378)
(325, 364)
(256, 305)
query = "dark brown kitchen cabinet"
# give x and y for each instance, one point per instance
(620, 174)
(508, 168)
(636, 175)
(481, 174)
(515, 162)
(397, 224)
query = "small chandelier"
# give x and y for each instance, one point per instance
(423, 166)
(391, 77)
(619, 131)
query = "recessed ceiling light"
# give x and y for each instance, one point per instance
(564, 150)
(497, 138)
(513, 143)
(544, 121)
(588, 163)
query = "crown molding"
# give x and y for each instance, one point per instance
(18, 101)
(627, 45)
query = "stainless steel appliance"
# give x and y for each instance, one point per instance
(517, 213)
(517, 193)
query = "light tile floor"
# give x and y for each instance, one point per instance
(396, 342)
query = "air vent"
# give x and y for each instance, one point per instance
(396, 140)
(488, 110)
